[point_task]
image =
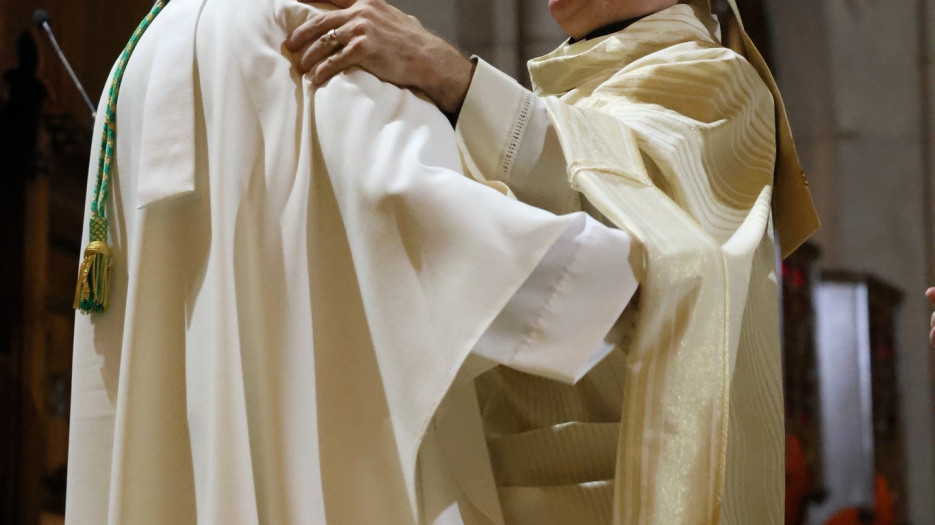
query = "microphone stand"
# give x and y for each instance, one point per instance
(41, 17)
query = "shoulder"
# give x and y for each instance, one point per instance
(703, 80)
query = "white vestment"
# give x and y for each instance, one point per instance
(299, 279)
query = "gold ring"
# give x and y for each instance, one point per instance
(332, 37)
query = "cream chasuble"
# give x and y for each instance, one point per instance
(299, 279)
(672, 138)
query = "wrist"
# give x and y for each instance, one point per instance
(450, 80)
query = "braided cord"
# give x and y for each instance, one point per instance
(93, 289)
(98, 226)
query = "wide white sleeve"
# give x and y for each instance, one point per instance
(504, 133)
(556, 322)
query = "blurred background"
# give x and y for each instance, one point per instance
(858, 83)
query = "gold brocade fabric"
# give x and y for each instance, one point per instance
(794, 212)
(673, 138)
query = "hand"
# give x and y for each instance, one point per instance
(388, 43)
(930, 293)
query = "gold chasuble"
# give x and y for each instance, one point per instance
(672, 137)
(680, 142)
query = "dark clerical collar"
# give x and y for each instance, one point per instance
(608, 29)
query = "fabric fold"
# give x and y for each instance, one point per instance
(563, 454)
(701, 119)
(581, 504)
(167, 155)
(418, 253)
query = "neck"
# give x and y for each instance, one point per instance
(617, 12)
(607, 29)
(626, 10)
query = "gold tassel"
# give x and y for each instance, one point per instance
(91, 294)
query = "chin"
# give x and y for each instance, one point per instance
(560, 13)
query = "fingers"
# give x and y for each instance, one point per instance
(343, 4)
(930, 293)
(932, 337)
(346, 57)
(329, 44)
(313, 28)
(369, 34)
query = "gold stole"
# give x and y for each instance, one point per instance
(686, 166)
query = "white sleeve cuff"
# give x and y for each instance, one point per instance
(505, 133)
(557, 324)
(492, 122)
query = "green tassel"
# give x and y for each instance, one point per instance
(93, 290)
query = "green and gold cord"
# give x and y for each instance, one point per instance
(91, 294)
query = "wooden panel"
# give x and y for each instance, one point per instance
(48, 518)
(9, 436)
(804, 462)
(889, 455)
(62, 272)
